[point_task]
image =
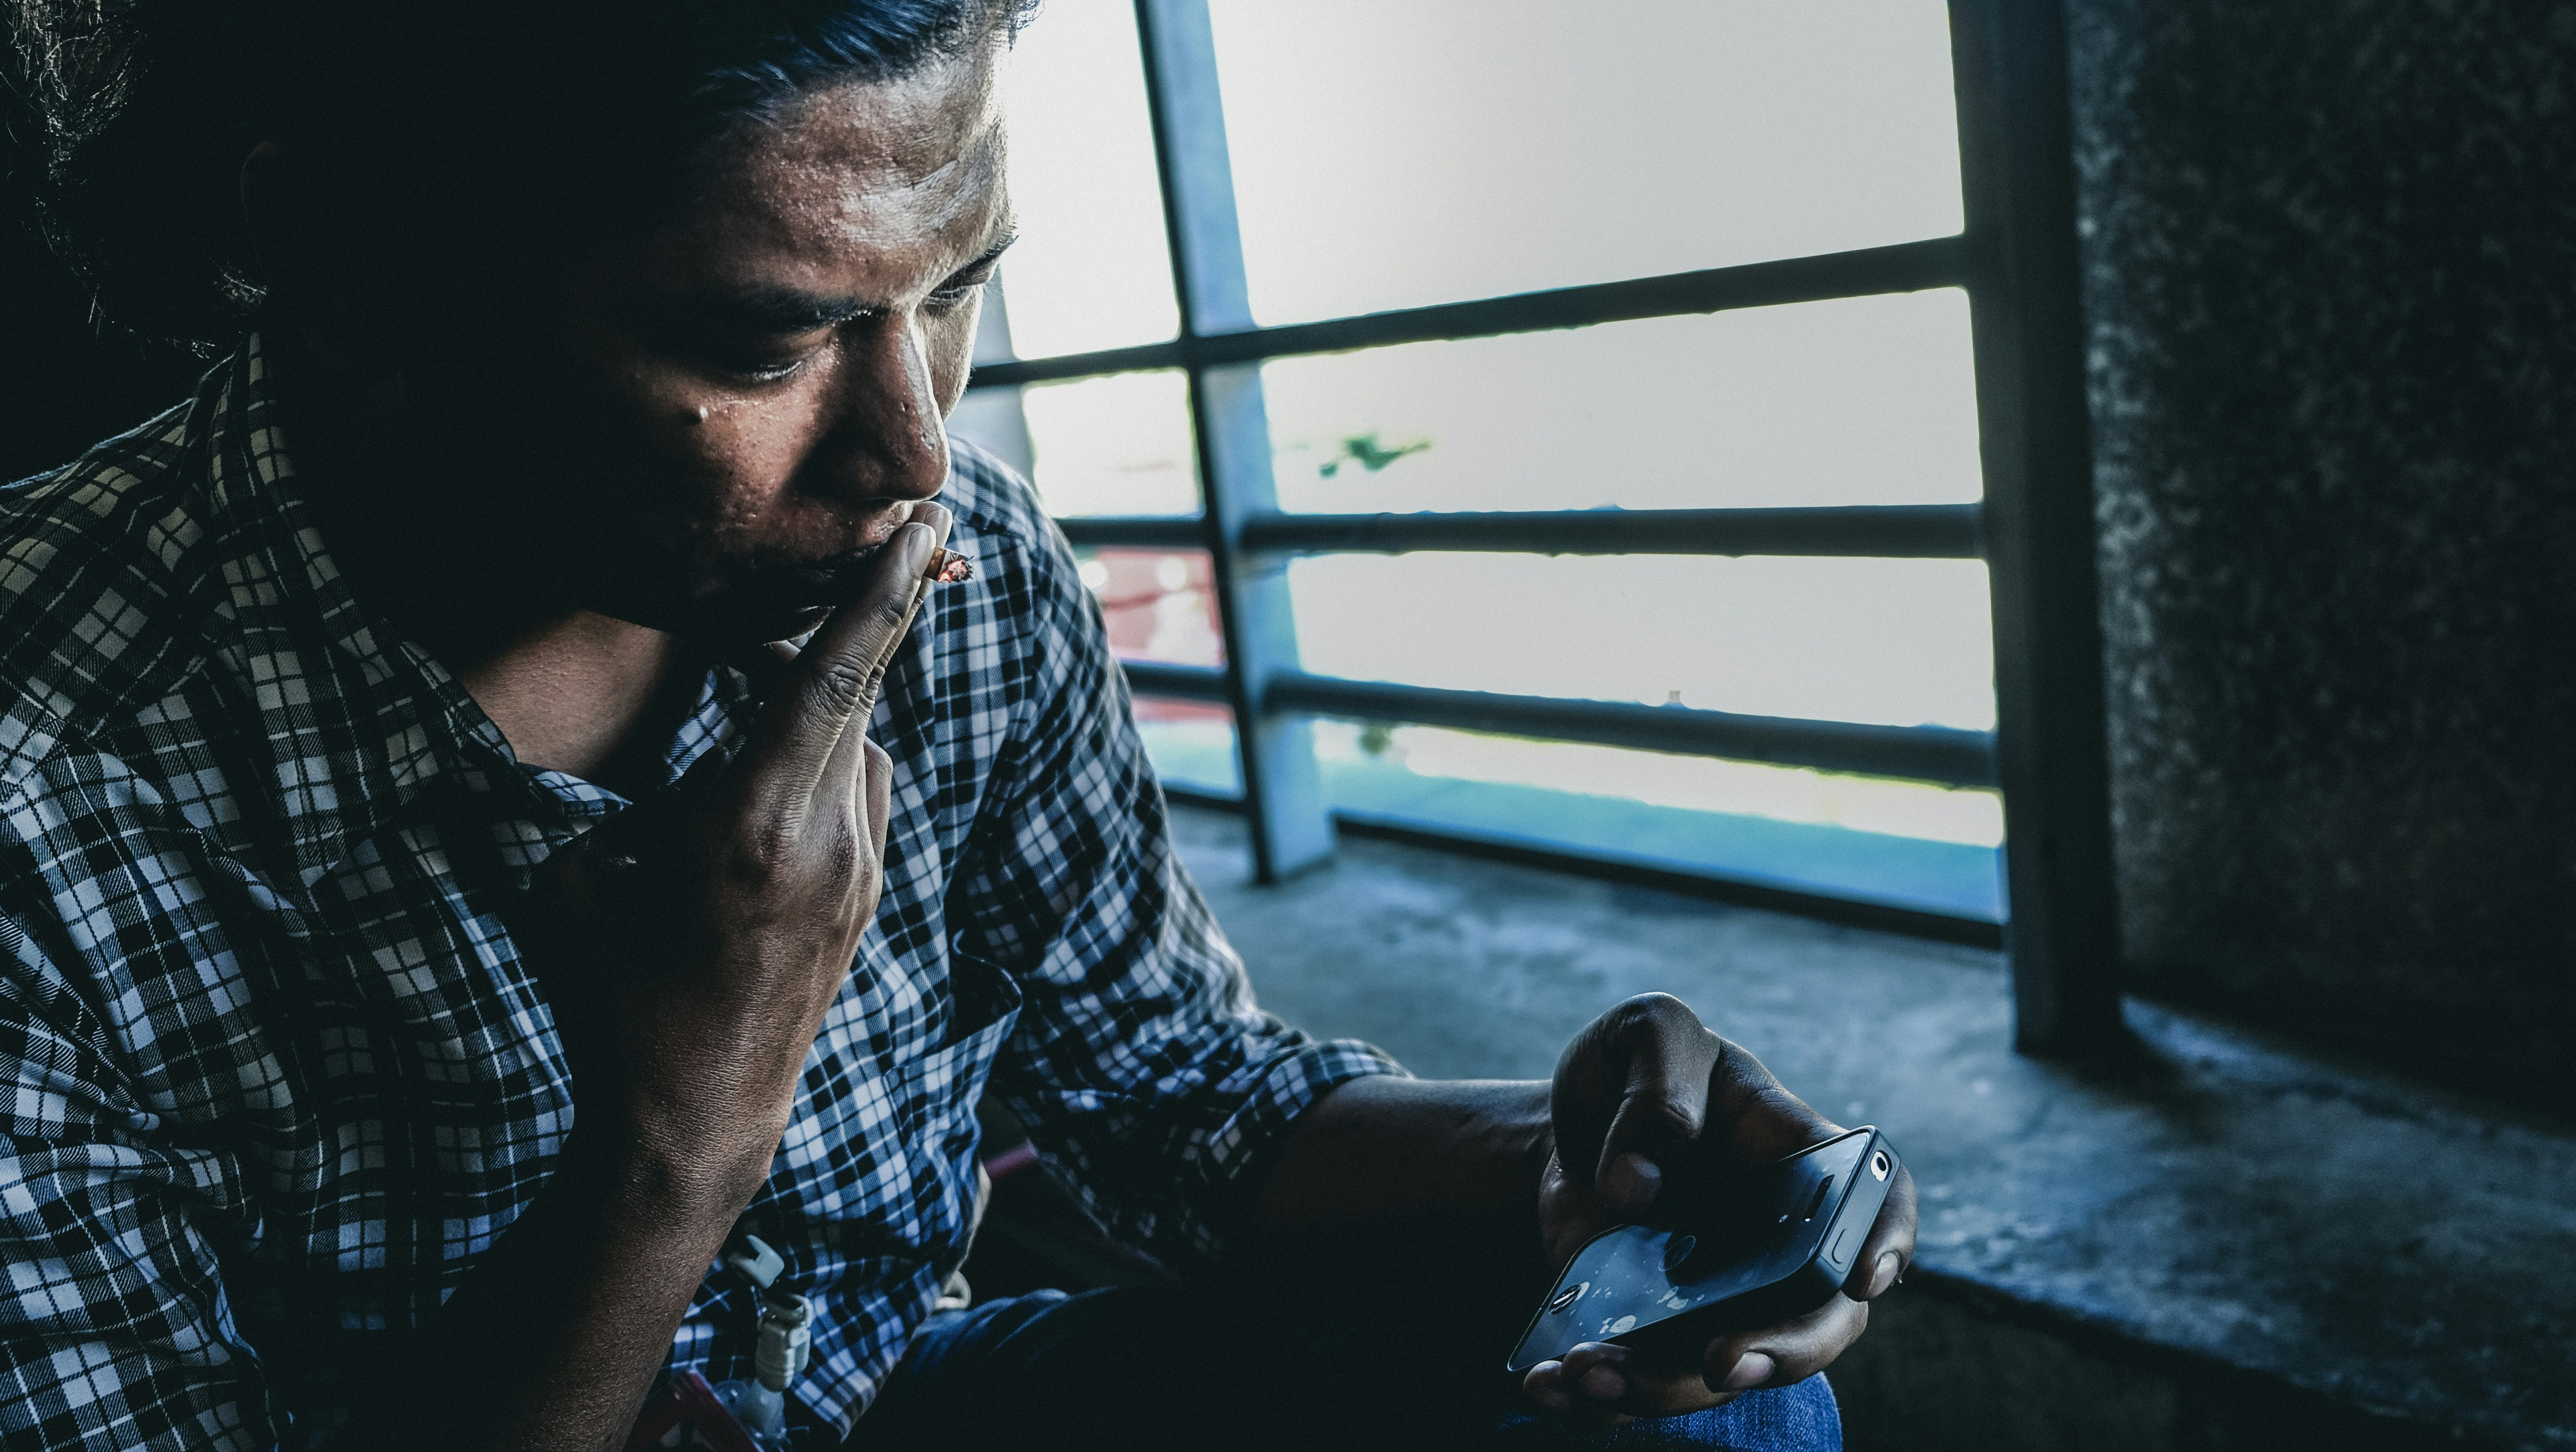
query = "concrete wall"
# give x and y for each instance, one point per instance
(2330, 253)
(1947, 1367)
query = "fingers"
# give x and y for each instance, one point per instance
(1762, 1121)
(843, 782)
(880, 804)
(1634, 1082)
(1569, 1212)
(1604, 1382)
(766, 666)
(1607, 1382)
(1590, 1381)
(1791, 1351)
(1664, 1101)
(604, 866)
(834, 684)
(1889, 1250)
(838, 674)
(1629, 1182)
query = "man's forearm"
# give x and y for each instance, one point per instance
(1384, 1147)
(556, 1337)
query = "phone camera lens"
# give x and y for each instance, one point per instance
(1678, 1250)
(1566, 1298)
(1878, 1164)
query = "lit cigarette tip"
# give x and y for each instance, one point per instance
(951, 569)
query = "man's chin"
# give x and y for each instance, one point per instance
(724, 623)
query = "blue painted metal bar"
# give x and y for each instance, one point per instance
(1919, 753)
(1925, 753)
(1135, 532)
(1910, 531)
(1898, 267)
(1179, 682)
(2017, 176)
(1283, 793)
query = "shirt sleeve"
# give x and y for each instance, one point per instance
(1141, 1065)
(114, 1331)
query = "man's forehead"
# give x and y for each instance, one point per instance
(909, 165)
(940, 124)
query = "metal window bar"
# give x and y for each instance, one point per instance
(1898, 267)
(1888, 531)
(2017, 176)
(2016, 259)
(1283, 792)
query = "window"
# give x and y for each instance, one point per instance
(1548, 424)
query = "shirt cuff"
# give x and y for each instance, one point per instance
(1241, 1153)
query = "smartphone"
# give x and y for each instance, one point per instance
(1763, 1246)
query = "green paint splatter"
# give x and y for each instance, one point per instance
(1366, 451)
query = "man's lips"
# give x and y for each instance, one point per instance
(839, 581)
(832, 580)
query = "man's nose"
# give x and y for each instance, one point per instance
(887, 439)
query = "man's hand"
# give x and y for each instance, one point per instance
(690, 949)
(705, 936)
(1639, 1092)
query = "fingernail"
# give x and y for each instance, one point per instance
(1632, 1181)
(1751, 1370)
(1885, 1276)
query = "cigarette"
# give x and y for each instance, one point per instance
(946, 567)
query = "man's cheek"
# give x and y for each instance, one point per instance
(950, 342)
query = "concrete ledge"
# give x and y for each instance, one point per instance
(2223, 1220)
(1950, 1366)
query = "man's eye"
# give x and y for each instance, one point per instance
(958, 293)
(772, 372)
(763, 360)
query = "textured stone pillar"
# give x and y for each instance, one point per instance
(2330, 253)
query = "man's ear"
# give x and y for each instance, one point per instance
(298, 228)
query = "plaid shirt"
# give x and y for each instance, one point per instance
(279, 1075)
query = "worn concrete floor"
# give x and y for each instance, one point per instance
(2223, 1201)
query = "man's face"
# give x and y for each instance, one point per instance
(761, 381)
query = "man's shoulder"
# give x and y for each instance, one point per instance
(992, 499)
(97, 583)
(999, 514)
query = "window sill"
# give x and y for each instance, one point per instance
(2220, 1234)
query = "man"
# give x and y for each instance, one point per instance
(436, 925)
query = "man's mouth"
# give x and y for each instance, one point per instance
(839, 581)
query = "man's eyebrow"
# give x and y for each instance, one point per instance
(794, 310)
(992, 254)
(777, 309)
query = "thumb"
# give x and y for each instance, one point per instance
(1634, 1083)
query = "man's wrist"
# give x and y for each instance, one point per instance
(670, 1171)
(1384, 1146)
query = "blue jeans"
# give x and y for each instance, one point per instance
(1136, 1369)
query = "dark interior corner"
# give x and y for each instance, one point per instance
(67, 377)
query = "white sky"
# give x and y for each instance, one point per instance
(1396, 154)
(1393, 154)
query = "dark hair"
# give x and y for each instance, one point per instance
(449, 121)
